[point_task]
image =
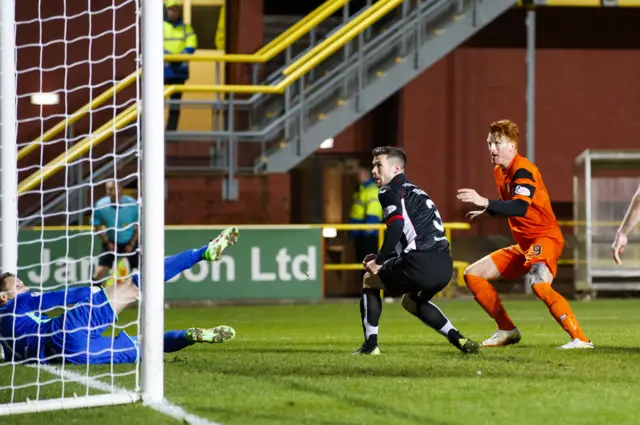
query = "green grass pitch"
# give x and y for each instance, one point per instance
(293, 365)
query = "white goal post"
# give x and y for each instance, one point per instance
(26, 386)
(604, 183)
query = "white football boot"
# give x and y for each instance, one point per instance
(501, 338)
(576, 344)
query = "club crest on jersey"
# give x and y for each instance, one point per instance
(521, 190)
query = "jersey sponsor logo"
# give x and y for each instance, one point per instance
(521, 190)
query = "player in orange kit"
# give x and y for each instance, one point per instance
(539, 242)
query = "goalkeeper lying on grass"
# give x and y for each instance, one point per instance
(27, 334)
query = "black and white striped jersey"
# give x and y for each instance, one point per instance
(423, 229)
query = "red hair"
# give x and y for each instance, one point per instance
(505, 128)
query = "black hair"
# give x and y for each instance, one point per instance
(391, 152)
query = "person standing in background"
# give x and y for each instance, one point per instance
(179, 38)
(365, 209)
(119, 214)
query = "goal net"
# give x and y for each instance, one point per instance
(604, 184)
(72, 156)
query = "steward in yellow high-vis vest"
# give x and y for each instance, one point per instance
(179, 38)
(365, 209)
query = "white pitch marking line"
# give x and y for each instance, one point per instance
(166, 407)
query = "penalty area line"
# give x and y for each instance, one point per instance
(165, 407)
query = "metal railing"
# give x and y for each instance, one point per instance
(361, 63)
(267, 52)
(56, 206)
(124, 118)
(459, 266)
(79, 114)
(579, 3)
(305, 101)
(448, 229)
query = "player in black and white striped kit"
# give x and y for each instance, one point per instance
(414, 260)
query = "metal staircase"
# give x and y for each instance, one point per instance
(278, 131)
(377, 69)
(350, 65)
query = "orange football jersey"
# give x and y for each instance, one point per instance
(522, 180)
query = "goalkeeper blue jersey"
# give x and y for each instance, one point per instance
(27, 334)
(24, 327)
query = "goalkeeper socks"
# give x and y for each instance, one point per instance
(176, 264)
(370, 311)
(176, 341)
(487, 296)
(560, 310)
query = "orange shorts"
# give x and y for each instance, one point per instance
(514, 261)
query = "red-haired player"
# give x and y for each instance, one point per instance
(539, 241)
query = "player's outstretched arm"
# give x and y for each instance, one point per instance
(57, 299)
(630, 220)
(513, 207)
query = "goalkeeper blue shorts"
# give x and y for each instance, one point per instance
(80, 337)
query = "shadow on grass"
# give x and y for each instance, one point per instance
(616, 350)
(290, 414)
(377, 406)
(250, 415)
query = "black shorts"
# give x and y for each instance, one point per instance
(428, 272)
(107, 257)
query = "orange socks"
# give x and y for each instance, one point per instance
(487, 296)
(560, 310)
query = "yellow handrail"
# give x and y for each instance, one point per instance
(128, 115)
(293, 28)
(280, 43)
(267, 52)
(305, 65)
(361, 226)
(335, 36)
(276, 46)
(79, 114)
(338, 43)
(79, 149)
(448, 227)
